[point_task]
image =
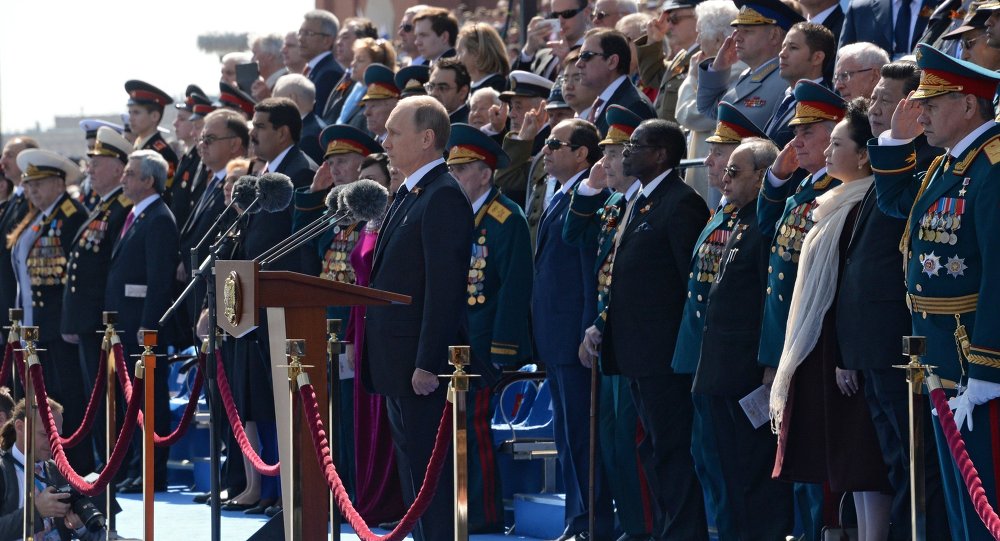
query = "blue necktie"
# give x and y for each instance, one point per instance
(901, 31)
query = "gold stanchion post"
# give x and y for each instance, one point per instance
(292, 503)
(111, 414)
(147, 366)
(915, 347)
(16, 315)
(30, 335)
(458, 388)
(334, 348)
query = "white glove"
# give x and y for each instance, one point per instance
(978, 392)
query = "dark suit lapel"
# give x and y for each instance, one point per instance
(868, 204)
(139, 222)
(400, 214)
(649, 205)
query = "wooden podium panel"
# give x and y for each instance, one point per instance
(296, 309)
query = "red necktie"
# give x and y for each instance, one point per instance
(592, 117)
(306, 70)
(128, 223)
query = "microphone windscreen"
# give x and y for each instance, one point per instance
(366, 200)
(245, 191)
(333, 197)
(274, 192)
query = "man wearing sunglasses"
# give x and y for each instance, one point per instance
(569, 21)
(974, 40)
(607, 13)
(407, 48)
(678, 25)
(604, 63)
(760, 29)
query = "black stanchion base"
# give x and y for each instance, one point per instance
(272, 530)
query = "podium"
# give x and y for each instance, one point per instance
(295, 307)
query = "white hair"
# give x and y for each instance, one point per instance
(715, 18)
(867, 54)
(328, 22)
(633, 25)
(269, 44)
(627, 7)
(487, 90)
(296, 87)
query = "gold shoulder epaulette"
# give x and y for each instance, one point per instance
(499, 212)
(992, 150)
(67, 208)
(123, 200)
(911, 162)
(760, 76)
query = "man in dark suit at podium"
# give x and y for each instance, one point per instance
(423, 251)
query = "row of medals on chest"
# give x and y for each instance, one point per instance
(477, 270)
(793, 232)
(337, 264)
(942, 220)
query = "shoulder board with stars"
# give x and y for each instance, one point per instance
(67, 208)
(992, 150)
(499, 212)
(990, 147)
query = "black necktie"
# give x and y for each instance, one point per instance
(901, 31)
(635, 208)
(774, 123)
(396, 201)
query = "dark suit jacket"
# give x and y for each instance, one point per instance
(182, 194)
(146, 257)
(335, 102)
(835, 23)
(871, 308)
(563, 303)
(13, 212)
(11, 514)
(647, 293)
(495, 81)
(459, 115)
(299, 167)
(629, 97)
(325, 76)
(46, 300)
(728, 364)
(309, 139)
(423, 251)
(871, 20)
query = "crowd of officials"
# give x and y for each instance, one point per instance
(732, 211)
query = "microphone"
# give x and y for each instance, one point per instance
(274, 192)
(245, 191)
(362, 201)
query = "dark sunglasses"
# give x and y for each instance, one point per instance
(566, 13)
(585, 56)
(599, 15)
(406, 28)
(555, 144)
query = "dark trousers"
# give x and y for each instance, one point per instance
(234, 478)
(414, 422)
(665, 410)
(89, 350)
(761, 507)
(886, 391)
(569, 385)
(61, 371)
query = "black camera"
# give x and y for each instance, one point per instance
(91, 516)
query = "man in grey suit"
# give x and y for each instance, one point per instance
(760, 29)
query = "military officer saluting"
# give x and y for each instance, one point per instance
(499, 297)
(594, 214)
(40, 255)
(145, 111)
(90, 250)
(760, 29)
(949, 251)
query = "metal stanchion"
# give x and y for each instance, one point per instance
(458, 389)
(16, 315)
(147, 366)
(295, 350)
(30, 335)
(111, 414)
(915, 347)
(334, 348)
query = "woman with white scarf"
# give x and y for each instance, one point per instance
(825, 432)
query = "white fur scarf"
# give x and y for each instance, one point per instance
(815, 286)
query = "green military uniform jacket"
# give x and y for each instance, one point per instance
(595, 218)
(788, 220)
(328, 255)
(951, 258)
(499, 287)
(525, 171)
(704, 267)
(667, 76)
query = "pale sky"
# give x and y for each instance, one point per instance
(65, 57)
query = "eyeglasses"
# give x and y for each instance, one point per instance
(406, 28)
(731, 171)
(566, 13)
(209, 139)
(576, 78)
(440, 87)
(675, 19)
(555, 144)
(585, 56)
(632, 147)
(846, 75)
(971, 42)
(599, 15)
(310, 33)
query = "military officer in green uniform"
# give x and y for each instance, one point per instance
(950, 254)
(731, 129)
(784, 213)
(594, 216)
(499, 295)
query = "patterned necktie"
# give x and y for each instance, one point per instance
(779, 113)
(592, 116)
(128, 223)
(901, 31)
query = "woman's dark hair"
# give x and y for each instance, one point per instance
(380, 159)
(858, 127)
(6, 402)
(8, 434)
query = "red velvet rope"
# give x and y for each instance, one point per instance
(182, 426)
(8, 350)
(965, 465)
(442, 443)
(92, 405)
(59, 455)
(237, 424)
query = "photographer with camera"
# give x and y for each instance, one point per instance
(60, 512)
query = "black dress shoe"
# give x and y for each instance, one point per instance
(201, 498)
(389, 525)
(233, 506)
(127, 482)
(273, 510)
(258, 509)
(135, 487)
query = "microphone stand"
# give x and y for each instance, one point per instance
(312, 226)
(302, 239)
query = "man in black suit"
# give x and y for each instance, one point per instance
(51, 509)
(423, 251)
(436, 30)
(892, 25)
(140, 288)
(728, 369)
(39, 254)
(645, 303)
(275, 134)
(604, 63)
(806, 53)
(449, 84)
(11, 215)
(825, 12)
(302, 92)
(317, 36)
